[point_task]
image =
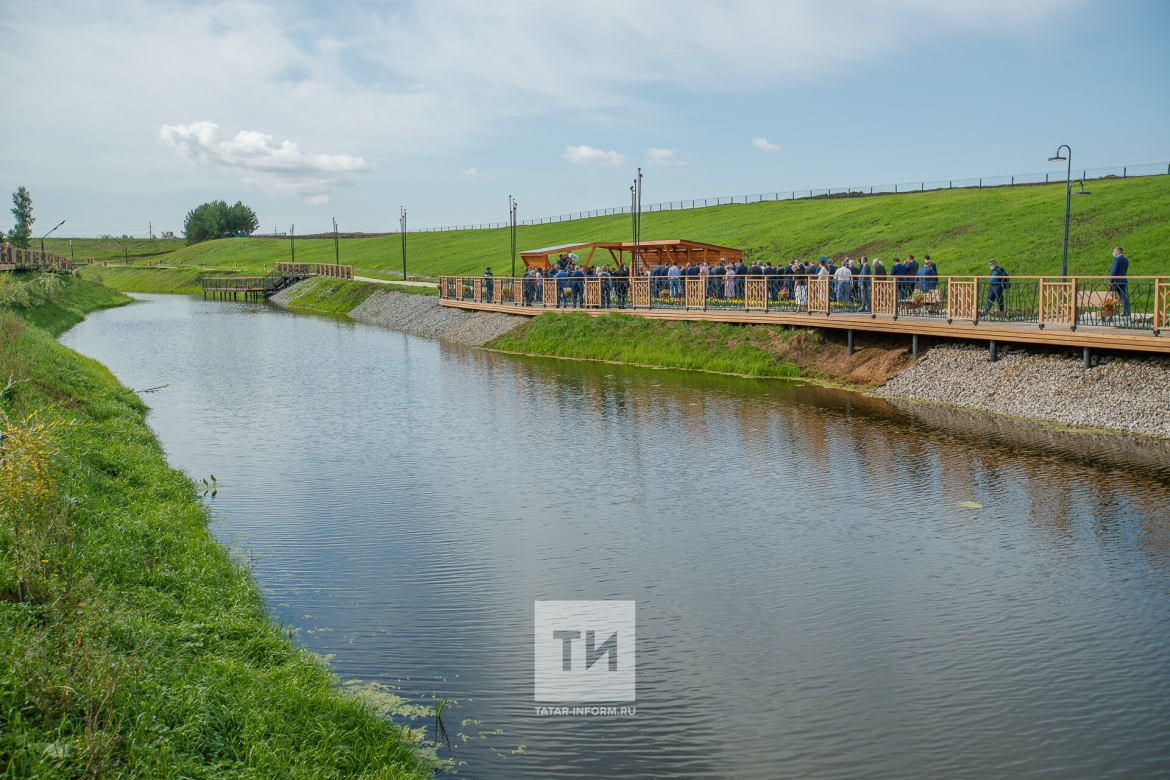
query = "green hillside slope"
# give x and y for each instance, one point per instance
(959, 229)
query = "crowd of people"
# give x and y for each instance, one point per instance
(850, 282)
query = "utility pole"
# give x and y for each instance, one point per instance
(402, 230)
(336, 247)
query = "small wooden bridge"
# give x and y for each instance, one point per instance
(260, 287)
(1086, 312)
(13, 259)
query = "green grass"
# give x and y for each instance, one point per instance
(143, 649)
(959, 229)
(335, 296)
(623, 338)
(153, 279)
(112, 249)
(68, 307)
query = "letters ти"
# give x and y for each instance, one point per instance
(567, 638)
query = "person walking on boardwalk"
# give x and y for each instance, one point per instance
(578, 277)
(1118, 283)
(844, 281)
(998, 284)
(898, 270)
(489, 283)
(864, 282)
(621, 283)
(606, 285)
(562, 277)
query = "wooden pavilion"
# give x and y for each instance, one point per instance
(651, 253)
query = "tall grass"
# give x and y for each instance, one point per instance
(131, 644)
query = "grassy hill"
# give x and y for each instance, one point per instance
(959, 229)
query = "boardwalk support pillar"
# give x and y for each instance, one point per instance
(914, 346)
(851, 342)
(1086, 359)
(994, 357)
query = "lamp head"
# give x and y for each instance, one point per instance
(1056, 158)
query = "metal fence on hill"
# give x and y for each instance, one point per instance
(1119, 172)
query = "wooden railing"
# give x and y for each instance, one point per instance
(1136, 303)
(282, 276)
(13, 259)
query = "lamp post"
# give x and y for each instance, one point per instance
(59, 224)
(1068, 193)
(292, 241)
(402, 230)
(336, 248)
(512, 206)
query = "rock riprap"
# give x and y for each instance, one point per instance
(423, 316)
(1124, 394)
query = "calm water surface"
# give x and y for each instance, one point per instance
(812, 600)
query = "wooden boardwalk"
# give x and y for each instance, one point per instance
(261, 287)
(1082, 312)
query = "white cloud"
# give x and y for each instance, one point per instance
(470, 173)
(762, 144)
(587, 155)
(663, 157)
(282, 168)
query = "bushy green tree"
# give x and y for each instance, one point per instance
(21, 209)
(219, 220)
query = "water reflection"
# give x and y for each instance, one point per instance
(812, 598)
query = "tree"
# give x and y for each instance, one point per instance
(21, 209)
(219, 220)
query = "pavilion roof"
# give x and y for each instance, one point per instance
(652, 252)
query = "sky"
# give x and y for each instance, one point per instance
(123, 115)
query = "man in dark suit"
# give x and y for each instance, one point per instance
(899, 273)
(1118, 283)
(621, 284)
(578, 287)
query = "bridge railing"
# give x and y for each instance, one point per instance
(13, 259)
(1134, 303)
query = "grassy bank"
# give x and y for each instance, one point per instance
(750, 350)
(140, 649)
(151, 280)
(960, 229)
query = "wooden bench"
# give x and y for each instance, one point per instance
(1094, 299)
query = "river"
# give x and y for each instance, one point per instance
(826, 585)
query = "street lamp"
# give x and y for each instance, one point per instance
(512, 206)
(402, 230)
(1068, 193)
(59, 224)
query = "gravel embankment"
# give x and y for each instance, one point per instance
(1123, 394)
(423, 316)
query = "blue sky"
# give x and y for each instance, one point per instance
(132, 112)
